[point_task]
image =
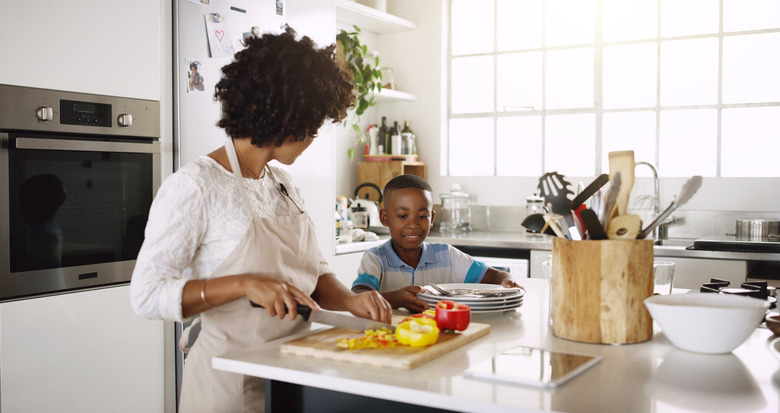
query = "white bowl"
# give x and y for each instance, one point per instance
(706, 322)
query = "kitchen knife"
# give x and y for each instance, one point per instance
(330, 318)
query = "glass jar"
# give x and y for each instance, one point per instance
(360, 217)
(455, 210)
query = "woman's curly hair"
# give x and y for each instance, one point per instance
(279, 86)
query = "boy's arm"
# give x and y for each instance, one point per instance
(494, 276)
(405, 297)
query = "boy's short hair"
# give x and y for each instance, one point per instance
(404, 182)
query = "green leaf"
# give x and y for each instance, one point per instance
(351, 153)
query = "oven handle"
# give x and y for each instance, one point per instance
(92, 146)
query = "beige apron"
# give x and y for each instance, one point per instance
(283, 247)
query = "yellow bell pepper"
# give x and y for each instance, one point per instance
(418, 332)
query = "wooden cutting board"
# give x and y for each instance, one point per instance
(322, 345)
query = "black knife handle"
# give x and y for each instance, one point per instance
(591, 189)
(303, 311)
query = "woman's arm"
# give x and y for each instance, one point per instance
(331, 294)
(278, 297)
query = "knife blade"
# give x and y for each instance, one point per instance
(330, 318)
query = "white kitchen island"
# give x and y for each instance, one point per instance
(653, 376)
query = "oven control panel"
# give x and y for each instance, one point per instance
(85, 113)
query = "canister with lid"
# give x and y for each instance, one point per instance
(455, 210)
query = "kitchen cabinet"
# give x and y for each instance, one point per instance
(379, 173)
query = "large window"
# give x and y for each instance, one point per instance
(692, 86)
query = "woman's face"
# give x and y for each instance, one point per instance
(292, 149)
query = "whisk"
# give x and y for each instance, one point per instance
(643, 206)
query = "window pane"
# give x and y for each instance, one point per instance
(519, 146)
(570, 144)
(750, 14)
(750, 71)
(472, 26)
(568, 22)
(519, 24)
(569, 80)
(689, 72)
(629, 19)
(472, 84)
(471, 147)
(685, 17)
(688, 143)
(630, 79)
(519, 81)
(749, 147)
(624, 131)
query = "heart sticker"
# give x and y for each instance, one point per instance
(220, 34)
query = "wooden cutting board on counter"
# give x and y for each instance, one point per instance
(322, 345)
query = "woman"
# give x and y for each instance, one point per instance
(229, 228)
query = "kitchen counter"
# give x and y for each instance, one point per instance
(674, 247)
(653, 376)
(529, 241)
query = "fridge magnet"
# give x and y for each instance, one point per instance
(280, 7)
(220, 42)
(194, 78)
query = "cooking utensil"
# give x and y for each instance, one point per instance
(757, 229)
(555, 190)
(623, 162)
(335, 319)
(552, 221)
(536, 223)
(594, 229)
(589, 190)
(609, 201)
(624, 227)
(687, 191)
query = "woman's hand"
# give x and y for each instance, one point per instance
(278, 297)
(407, 298)
(370, 304)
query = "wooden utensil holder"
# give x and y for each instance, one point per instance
(598, 290)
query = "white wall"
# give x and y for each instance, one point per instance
(417, 59)
(87, 351)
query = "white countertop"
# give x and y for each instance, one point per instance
(653, 376)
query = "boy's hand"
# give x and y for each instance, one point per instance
(407, 298)
(508, 283)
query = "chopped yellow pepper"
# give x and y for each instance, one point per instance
(418, 332)
(381, 338)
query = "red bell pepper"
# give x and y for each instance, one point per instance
(452, 316)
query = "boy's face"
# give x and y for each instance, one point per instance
(408, 213)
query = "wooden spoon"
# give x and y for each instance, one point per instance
(623, 162)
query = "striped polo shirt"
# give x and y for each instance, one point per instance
(381, 269)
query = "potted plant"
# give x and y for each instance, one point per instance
(367, 77)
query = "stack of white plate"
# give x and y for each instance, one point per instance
(497, 298)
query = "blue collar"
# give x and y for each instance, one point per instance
(428, 255)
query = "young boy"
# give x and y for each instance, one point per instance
(398, 267)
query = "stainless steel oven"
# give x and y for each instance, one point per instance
(79, 172)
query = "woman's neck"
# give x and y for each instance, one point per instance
(251, 159)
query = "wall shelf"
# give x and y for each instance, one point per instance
(390, 95)
(370, 19)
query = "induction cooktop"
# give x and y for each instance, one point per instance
(731, 243)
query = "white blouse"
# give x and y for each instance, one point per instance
(196, 220)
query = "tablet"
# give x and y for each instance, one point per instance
(532, 366)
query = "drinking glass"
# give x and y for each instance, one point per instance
(663, 277)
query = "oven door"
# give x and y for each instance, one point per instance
(73, 211)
